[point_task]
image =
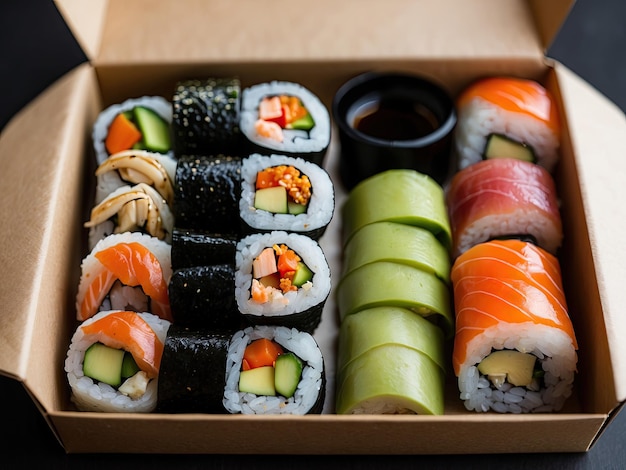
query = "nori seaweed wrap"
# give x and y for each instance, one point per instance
(193, 371)
(206, 115)
(207, 193)
(204, 297)
(200, 248)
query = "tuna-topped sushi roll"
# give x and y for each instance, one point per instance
(506, 117)
(205, 115)
(515, 346)
(113, 361)
(281, 279)
(285, 193)
(285, 118)
(504, 198)
(137, 123)
(126, 271)
(274, 370)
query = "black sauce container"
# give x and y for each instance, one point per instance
(393, 120)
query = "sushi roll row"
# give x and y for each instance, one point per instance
(514, 347)
(168, 245)
(393, 296)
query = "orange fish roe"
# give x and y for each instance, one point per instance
(298, 186)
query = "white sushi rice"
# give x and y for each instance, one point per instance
(295, 141)
(100, 129)
(555, 352)
(479, 118)
(547, 232)
(91, 266)
(108, 182)
(307, 296)
(302, 345)
(320, 208)
(90, 395)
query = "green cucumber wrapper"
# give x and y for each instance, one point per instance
(379, 326)
(399, 243)
(403, 196)
(391, 374)
(392, 284)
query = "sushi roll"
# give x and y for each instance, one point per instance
(137, 123)
(287, 119)
(285, 193)
(193, 371)
(385, 283)
(507, 117)
(200, 248)
(207, 193)
(515, 346)
(139, 208)
(131, 167)
(399, 195)
(281, 279)
(504, 198)
(390, 361)
(204, 297)
(205, 115)
(113, 362)
(274, 370)
(126, 271)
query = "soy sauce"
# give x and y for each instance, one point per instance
(395, 120)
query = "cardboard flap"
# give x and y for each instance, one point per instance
(597, 130)
(86, 20)
(142, 32)
(34, 148)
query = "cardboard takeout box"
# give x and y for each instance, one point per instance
(138, 47)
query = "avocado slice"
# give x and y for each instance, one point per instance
(303, 274)
(259, 381)
(273, 199)
(305, 123)
(154, 130)
(129, 366)
(508, 365)
(104, 364)
(287, 373)
(501, 146)
(294, 208)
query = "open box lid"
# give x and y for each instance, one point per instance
(141, 32)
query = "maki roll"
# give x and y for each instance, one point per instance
(504, 198)
(139, 208)
(126, 271)
(285, 118)
(131, 167)
(113, 362)
(207, 193)
(193, 371)
(137, 123)
(200, 248)
(205, 116)
(204, 297)
(274, 370)
(285, 193)
(515, 346)
(390, 361)
(281, 279)
(507, 117)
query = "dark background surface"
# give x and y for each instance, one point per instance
(36, 48)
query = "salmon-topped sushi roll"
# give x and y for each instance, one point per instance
(126, 271)
(507, 117)
(515, 347)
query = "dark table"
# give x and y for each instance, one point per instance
(36, 48)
